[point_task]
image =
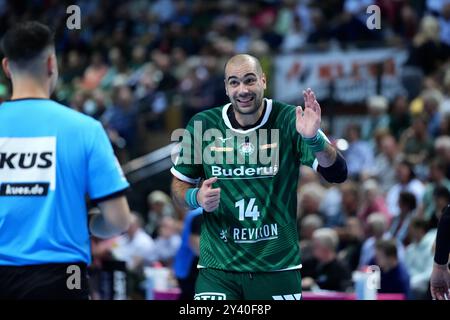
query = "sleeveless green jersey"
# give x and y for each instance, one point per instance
(254, 229)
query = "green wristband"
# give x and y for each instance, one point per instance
(316, 143)
(191, 198)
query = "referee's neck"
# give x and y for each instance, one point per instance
(24, 93)
(29, 87)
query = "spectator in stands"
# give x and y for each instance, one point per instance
(437, 178)
(416, 143)
(441, 198)
(377, 117)
(444, 23)
(384, 165)
(160, 206)
(351, 239)
(186, 259)
(295, 37)
(347, 205)
(359, 154)
(98, 106)
(331, 207)
(116, 75)
(419, 257)
(168, 241)
(400, 223)
(330, 274)
(352, 27)
(406, 181)
(120, 118)
(350, 199)
(372, 201)
(432, 99)
(400, 118)
(310, 197)
(394, 278)
(445, 105)
(428, 51)
(94, 72)
(74, 67)
(377, 228)
(135, 247)
(442, 151)
(308, 225)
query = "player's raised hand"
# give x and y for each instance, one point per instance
(308, 120)
(440, 282)
(207, 196)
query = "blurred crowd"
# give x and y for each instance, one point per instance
(387, 211)
(144, 68)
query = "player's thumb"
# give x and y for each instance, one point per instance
(208, 183)
(299, 112)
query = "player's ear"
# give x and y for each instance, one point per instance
(51, 64)
(5, 66)
(263, 79)
(225, 84)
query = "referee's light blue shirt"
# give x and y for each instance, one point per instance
(51, 157)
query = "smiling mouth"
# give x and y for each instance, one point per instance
(245, 100)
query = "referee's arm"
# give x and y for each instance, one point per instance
(113, 219)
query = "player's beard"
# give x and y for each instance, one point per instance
(254, 102)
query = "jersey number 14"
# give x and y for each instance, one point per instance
(250, 212)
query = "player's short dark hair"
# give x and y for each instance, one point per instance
(25, 41)
(388, 247)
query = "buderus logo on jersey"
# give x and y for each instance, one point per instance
(27, 166)
(243, 172)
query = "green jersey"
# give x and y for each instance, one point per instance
(254, 229)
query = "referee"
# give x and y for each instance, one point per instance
(51, 158)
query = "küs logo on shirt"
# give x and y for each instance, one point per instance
(27, 166)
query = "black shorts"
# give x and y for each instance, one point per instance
(45, 281)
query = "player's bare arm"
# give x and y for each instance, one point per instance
(179, 189)
(206, 196)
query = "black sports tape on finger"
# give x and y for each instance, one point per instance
(337, 172)
(443, 238)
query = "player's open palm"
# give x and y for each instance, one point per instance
(207, 196)
(308, 120)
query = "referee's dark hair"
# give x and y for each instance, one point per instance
(26, 41)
